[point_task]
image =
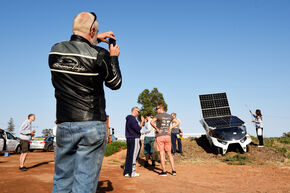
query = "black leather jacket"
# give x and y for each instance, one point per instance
(78, 70)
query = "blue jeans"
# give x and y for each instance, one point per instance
(80, 148)
(173, 141)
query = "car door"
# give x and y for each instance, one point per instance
(11, 142)
(1, 144)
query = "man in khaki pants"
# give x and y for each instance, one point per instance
(26, 133)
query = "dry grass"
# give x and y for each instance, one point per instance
(197, 150)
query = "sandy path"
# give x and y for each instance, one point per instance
(201, 178)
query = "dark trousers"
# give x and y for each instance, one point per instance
(260, 137)
(173, 141)
(133, 150)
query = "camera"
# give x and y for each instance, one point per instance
(112, 41)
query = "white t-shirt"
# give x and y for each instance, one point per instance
(148, 130)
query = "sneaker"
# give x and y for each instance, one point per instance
(174, 173)
(153, 163)
(127, 175)
(162, 174)
(260, 145)
(134, 175)
(23, 168)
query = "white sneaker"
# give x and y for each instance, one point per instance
(127, 175)
(260, 145)
(134, 175)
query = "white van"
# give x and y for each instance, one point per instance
(12, 143)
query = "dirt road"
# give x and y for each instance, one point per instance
(191, 177)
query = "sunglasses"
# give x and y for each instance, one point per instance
(95, 18)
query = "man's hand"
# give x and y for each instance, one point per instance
(102, 36)
(115, 51)
(142, 119)
(32, 133)
(158, 131)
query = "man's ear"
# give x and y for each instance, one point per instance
(92, 32)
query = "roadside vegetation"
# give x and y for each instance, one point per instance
(280, 144)
(114, 147)
(237, 159)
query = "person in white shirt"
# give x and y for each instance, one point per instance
(259, 126)
(26, 133)
(149, 139)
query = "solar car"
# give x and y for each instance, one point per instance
(223, 130)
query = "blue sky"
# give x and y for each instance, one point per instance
(184, 48)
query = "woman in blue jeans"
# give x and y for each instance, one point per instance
(176, 134)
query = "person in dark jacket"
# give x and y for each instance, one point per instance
(4, 139)
(133, 142)
(79, 69)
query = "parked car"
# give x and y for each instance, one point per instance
(41, 143)
(12, 143)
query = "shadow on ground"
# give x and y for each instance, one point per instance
(204, 144)
(105, 186)
(151, 168)
(40, 164)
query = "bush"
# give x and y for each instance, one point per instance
(114, 147)
(286, 134)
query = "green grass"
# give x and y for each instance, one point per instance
(280, 144)
(236, 159)
(284, 140)
(193, 138)
(114, 147)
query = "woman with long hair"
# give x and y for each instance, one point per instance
(259, 126)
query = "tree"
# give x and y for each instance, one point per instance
(47, 132)
(11, 126)
(150, 100)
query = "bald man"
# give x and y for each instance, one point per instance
(78, 69)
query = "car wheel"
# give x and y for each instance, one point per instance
(18, 151)
(217, 150)
(248, 148)
(50, 148)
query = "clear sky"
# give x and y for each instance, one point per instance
(184, 48)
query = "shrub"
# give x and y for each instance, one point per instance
(114, 147)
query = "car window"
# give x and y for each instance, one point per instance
(9, 136)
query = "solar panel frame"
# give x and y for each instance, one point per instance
(214, 105)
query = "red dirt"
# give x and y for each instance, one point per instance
(200, 177)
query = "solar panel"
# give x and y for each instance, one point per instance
(222, 122)
(214, 105)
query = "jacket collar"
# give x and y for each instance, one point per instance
(79, 39)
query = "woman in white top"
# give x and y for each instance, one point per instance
(149, 139)
(259, 126)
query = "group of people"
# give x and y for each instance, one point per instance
(79, 68)
(164, 129)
